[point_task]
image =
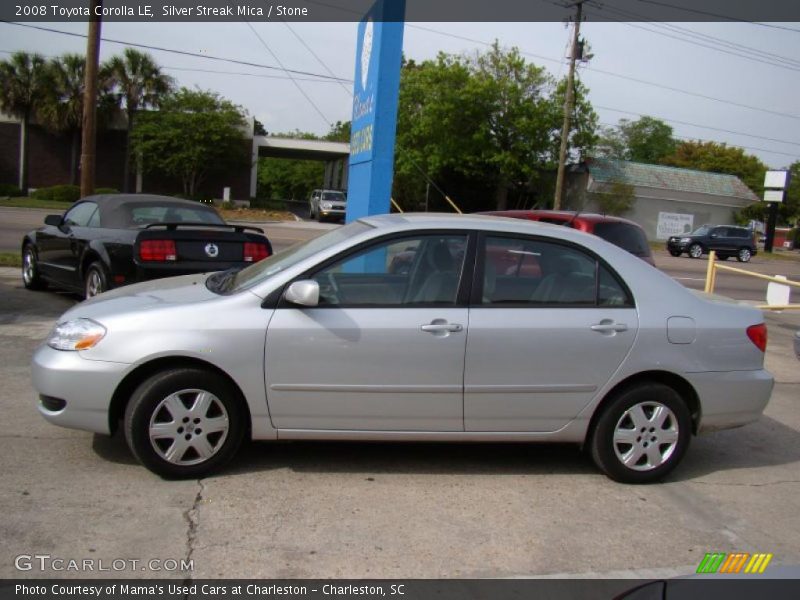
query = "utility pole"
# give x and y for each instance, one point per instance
(562, 153)
(89, 127)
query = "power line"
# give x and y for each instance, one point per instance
(180, 52)
(759, 137)
(695, 138)
(296, 84)
(259, 75)
(314, 54)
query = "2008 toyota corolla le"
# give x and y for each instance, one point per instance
(492, 330)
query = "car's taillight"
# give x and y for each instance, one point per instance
(157, 250)
(758, 335)
(254, 252)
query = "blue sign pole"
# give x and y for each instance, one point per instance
(375, 98)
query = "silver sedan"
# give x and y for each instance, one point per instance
(412, 327)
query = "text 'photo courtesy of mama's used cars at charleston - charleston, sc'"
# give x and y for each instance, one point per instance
(494, 330)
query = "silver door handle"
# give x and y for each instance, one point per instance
(437, 327)
(608, 327)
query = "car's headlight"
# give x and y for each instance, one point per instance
(686, 240)
(326, 205)
(77, 334)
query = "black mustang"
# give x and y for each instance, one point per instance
(106, 241)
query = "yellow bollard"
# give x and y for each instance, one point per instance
(711, 272)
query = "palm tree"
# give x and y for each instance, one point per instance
(137, 80)
(23, 81)
(62, 107)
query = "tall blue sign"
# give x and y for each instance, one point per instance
(374, 122)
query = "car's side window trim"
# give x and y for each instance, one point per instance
(476, 297)
(464, 284)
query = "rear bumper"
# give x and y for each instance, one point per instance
(731, 399)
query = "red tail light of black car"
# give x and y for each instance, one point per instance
(254, 252)
(758, 335)
(157, 250)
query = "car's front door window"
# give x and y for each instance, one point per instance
(80, 215)
(411, 271)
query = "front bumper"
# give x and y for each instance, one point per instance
(677, 245)
(86, 385)
(731, 399)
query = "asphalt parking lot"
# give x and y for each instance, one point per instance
(383, 510)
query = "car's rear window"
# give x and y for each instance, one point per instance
(142, 215)
(628, 237)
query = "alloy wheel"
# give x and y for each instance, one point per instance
(696, 251)
(744, 255)
(646, 436)
(28, 267)
(188, 427)
(94, 284)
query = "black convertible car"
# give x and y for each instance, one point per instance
(106, 241)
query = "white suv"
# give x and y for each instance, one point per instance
(327, 204)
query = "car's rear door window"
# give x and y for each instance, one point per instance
(533, 272)
(626, 236)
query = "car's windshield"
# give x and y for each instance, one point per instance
(701, 230)
(268, 267)
(333, 196)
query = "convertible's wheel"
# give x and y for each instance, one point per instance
(641, 434)
(675, 252)
(184, 423)
(744, 255)
(95, 281)
(30, 270)
(695, 251)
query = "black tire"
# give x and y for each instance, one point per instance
(31, 278)
(615, 417)
(146, 408)
(695, 251)
(95, 280)
(675, 252)
(744, 255)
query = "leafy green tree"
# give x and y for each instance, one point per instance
(61, 108)
(196, 133)
(616, 200)
(288, 179)
(23, 81)
(486, 124)
(339, 132)
(137, 83)
(721, 158)
(646, 140)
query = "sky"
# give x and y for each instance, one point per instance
(623, 52)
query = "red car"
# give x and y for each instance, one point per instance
(620, 232)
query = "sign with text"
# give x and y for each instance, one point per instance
(773, 195)
(670, 224)
(375, 96)
(776, 180)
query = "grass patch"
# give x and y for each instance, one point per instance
(10, 259)
(255, 215)
(24, 202)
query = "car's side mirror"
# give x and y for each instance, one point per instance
(54, 220)
(304, 293)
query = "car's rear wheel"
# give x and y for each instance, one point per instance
(184, 423)
(30, 269)
(744, 255)
(95, 281)
(675, 252)
(642, 434)
(695, 251)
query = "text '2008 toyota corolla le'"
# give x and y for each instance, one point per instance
(413, 327)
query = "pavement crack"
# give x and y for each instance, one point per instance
(730, 484)
(192, 517)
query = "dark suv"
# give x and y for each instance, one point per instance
(725, 240)
(620, 232)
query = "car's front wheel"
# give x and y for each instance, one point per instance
(30, 269)
(642, 434)
(695, 251)
(744, 255)
(95, 281)
(184, 422)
